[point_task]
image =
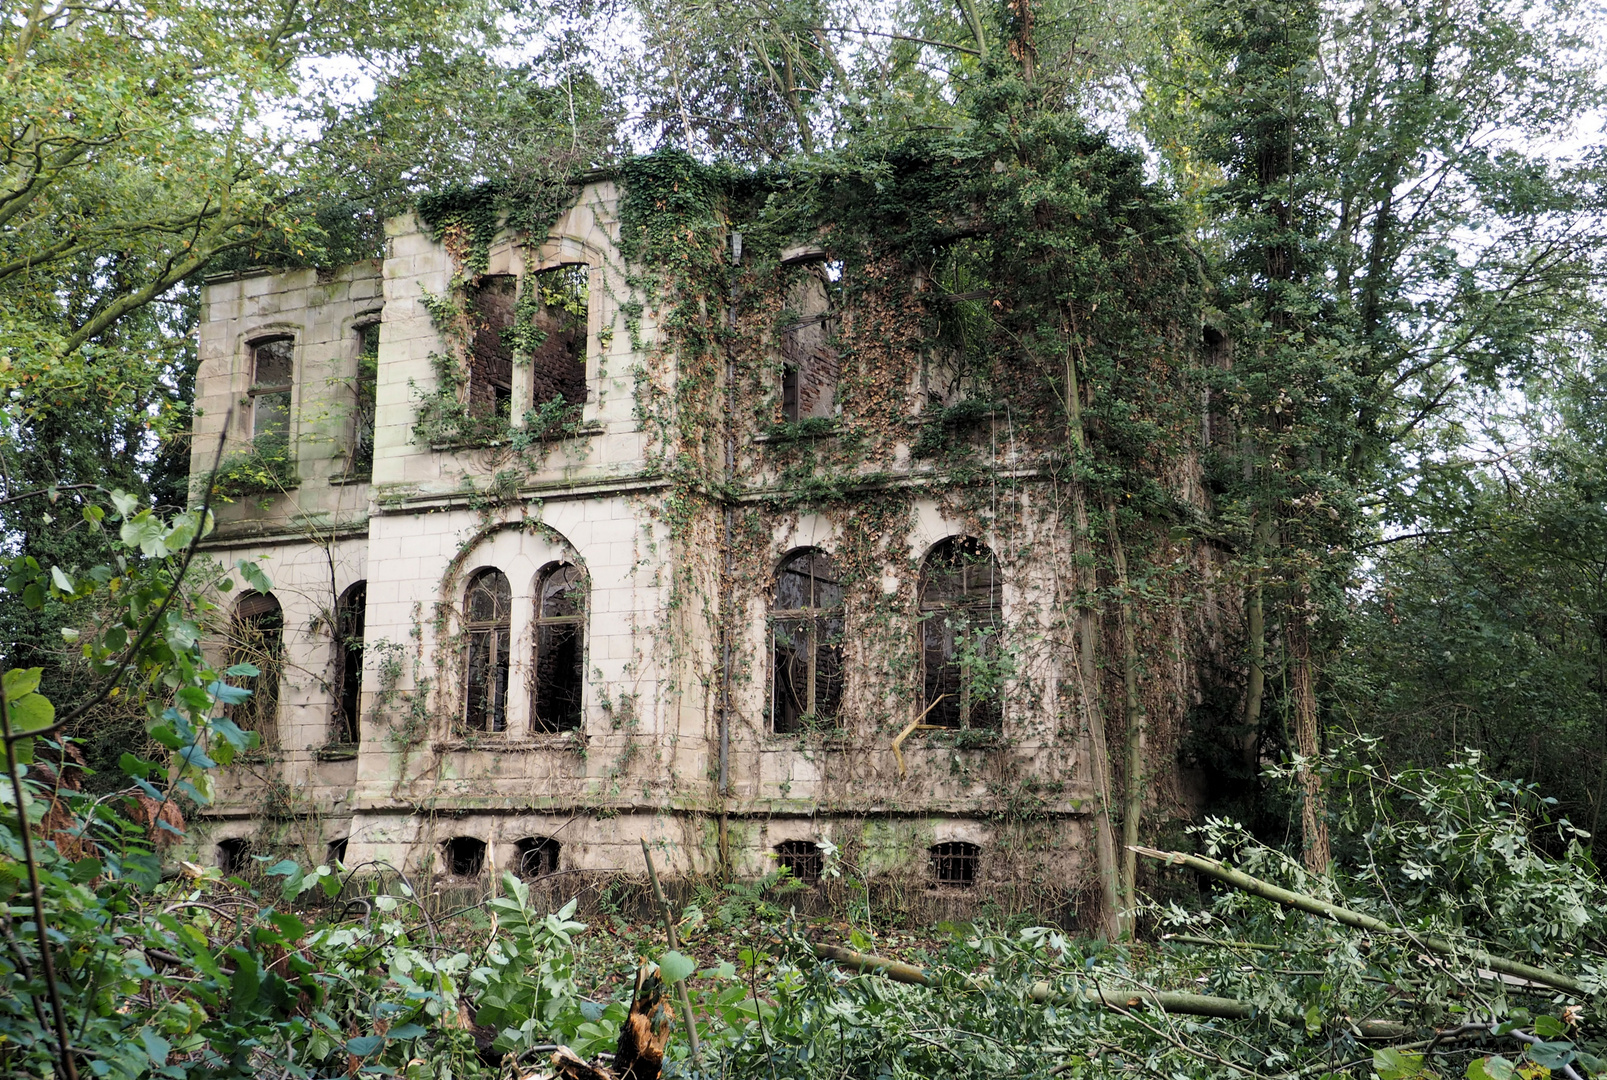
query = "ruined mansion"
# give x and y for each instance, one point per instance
(562, 560)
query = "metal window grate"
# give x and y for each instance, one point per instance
(955, 864)
(802, 858)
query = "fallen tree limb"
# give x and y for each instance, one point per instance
(1045, 993)
(1313, 906)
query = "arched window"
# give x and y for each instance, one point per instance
(954, 864)
(350, 612)
(807, 643)
(560, 654)
(489, 607)
(959, 620)
(256, 637)
(537, 856)
(803, 858)
(464, 856)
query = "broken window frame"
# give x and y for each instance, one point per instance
(813, 631)
(560, 610)
(946, 620)
(488, 656)
(256, 637)
(278, 395)
(351, 613)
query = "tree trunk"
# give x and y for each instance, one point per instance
(1133, 718)
(1308, 742)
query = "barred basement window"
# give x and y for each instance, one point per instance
(955, 863)
(807, 643)
(803, 858)
(537, 856)
(959, 626)
(560, 654)
(256, 637)
(489, 608)
(272, 381)
(464, 856)
(234, 856)
(350, 613)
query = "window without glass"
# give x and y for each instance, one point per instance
(560, 658)
(350, 612)
(959, 626)
(810, 366)
(256, 637)
(464, 856)
(807, 638)
(558, 357)
(361, 461)
(955, 863)
(803, 858)
(234, 856)
(489, 607)
(272, 380)
(492, 305)
(537, 856)
(336, 851)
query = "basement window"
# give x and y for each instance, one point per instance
(537, 856)
(234, 856)
(954, 864)
(802, 858)
(807, 643)
(464, 856)
(488, 607)
(560, 649)
(335, 853)
(492, 304)
(562, 298)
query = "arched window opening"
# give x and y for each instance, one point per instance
(234, 856)
(802, 858)
(335, 853)
(272, 382)
(493, 303)
(256, 637)
(489, 607)
(955, 864)
(960, 618)
(537, 856)
(464, 856)
(558, 350)
(560, 654)
(350, 613)
(807, 643)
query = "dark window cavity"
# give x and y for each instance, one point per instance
(256, 637)
(802, 858)
(955, 863)
(464, 856)
(492, 305)
(234, 856)
(350, 612)
(361, 461)
(560, 654)
(272, 380)
(488, 607)
(537, 856)
(558, 345)
(959, 627)
(336, 852)
(807, 639)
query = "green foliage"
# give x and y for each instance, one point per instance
(268, 468)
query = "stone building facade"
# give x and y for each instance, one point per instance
(533, 649)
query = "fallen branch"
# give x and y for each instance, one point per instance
(1311, 905)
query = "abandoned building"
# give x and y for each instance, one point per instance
(511, 626)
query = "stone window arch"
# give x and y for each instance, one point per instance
(256, 637)
(558, 672)
(806, 643)
(488, 613)
(960, 619)
(350, 614)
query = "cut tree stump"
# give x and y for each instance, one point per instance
(642, 1040)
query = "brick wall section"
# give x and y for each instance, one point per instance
(559, 363)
